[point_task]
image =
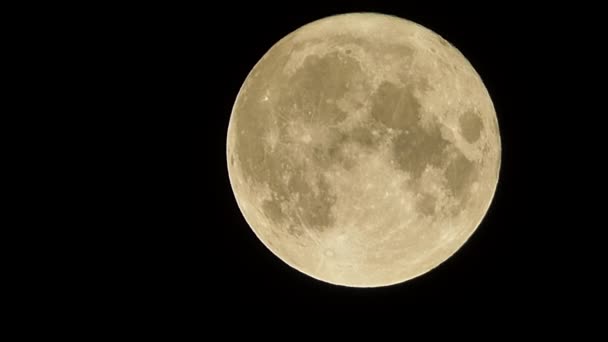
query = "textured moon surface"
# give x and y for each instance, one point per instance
(363, 149)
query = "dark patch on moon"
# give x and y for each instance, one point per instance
(272, 210)
(395, 107)
(322, 157)
(460, 175)
(417, 147)
(426, 204)
(363, 137)
(313, 208)
(319, 78)
(470, 126)
(326, 156)
(309, 208)
(340, 151)
(340, 156)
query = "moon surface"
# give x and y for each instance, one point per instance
(363, 149)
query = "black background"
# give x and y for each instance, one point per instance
(195, 249)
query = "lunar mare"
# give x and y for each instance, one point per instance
(363, 149)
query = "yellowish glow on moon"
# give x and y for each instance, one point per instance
(363, 150)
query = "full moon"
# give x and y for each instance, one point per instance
(363, 150)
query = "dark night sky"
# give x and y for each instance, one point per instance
(200, 58)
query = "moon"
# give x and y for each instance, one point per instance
(363, 150)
